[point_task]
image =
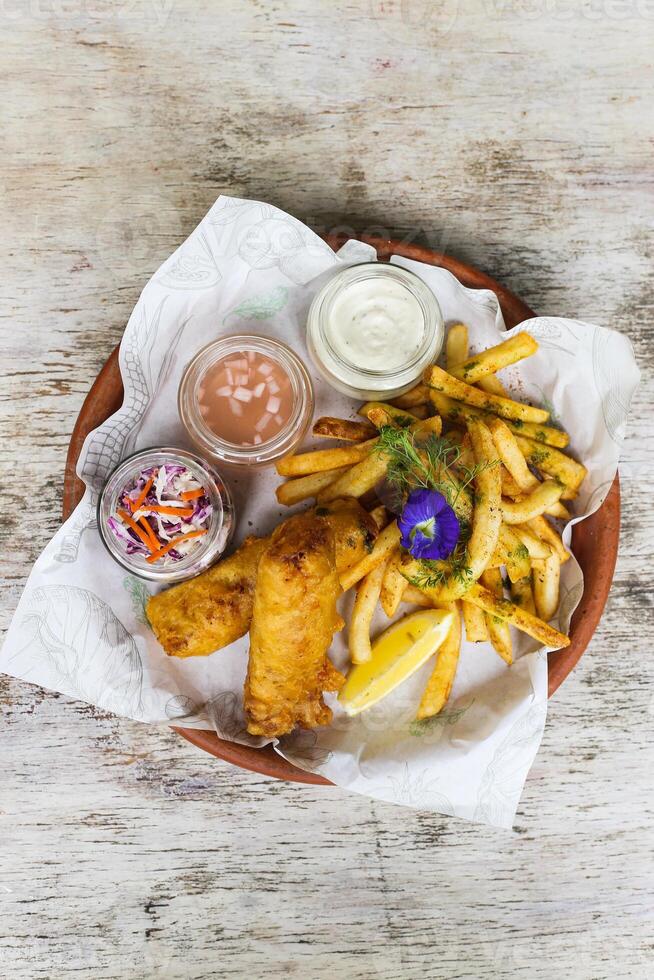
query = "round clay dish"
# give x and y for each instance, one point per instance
(594, 541)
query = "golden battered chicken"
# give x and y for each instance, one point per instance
(293, 621)
(209, 612)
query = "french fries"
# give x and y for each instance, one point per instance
(459, 413)
(492, 384)
(495, 358)
(516, 554)
(511, 455)
(365, 603)
(294, 491)
(535, 545)
(546, 577)
(487, 515)
(387, 541)
(393, 585)
(516, 616)
(474, 620)
(533, 504)
(410, 399)
(401, 416)
(323, 459)
(456, 345)
(554, 463)
(445, 383)
(344, 429)
(546, 533)
(440, 683)
(498, 629)
(522, 594)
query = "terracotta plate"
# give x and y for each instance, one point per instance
(595, 540)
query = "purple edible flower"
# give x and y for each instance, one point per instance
(429, 526)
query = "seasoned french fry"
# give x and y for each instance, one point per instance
(393, 586)
(511, 455)
(440, 683)
(324, 459)
(498, 629)
(511, 489)
(456, 345)
(495, 358)
(294, 491)
(532, 504)
(516, 559)
(386, 543)
(344, 429)
(536, 547)
(544, 530)
(492, 384)
(549, 460)
(522, 595)
(416, 597)
(474, 620)
(401, 415)
(410, 399)
(546, 576)
(516, 616)
(441, 381)
(362, 612)
(459, 413)
(558, 510)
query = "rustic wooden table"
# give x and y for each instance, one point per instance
(511, 135)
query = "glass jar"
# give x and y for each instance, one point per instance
(372, 330)
(205, 550)
(272, 375)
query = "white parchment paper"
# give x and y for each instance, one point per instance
(80, 626)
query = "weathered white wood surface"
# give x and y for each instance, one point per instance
(512, 135)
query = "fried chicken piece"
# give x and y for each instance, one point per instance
(293, 622)
(209, 612)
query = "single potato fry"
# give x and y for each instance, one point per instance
(393, 586)
(536, 547)
(498, 629)
(549, 460)
(344, 429)
(363, 610)
(456, 345)
(474, 620)
(522, 594)
(410, 399)
(401, 415)
(294, 491)
(441, 381)
(512, 456)
(383, 547)
(495, 358)
(324, 459)
(440, 683)
(517, 616)
(516, 560)
(458, 413)
(532, 504)
(544, 530)
(546, 578)
(492, 385)
(558, 510)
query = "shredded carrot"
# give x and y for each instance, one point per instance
(192, 494)
(175, 511)
(144, 492)
(126, 519)
(154, 543)
(173, 544)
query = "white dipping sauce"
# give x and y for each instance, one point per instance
(376, 324)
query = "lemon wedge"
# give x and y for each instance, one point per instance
(396, 654)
